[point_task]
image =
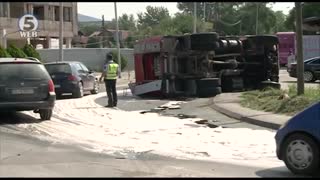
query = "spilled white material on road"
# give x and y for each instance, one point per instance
(84, 123)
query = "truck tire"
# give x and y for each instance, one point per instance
(208, 83)
(209, 92)
(204, 41)
(232, 83)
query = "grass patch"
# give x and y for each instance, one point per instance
(280, 101)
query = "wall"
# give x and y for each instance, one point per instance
(93, 58)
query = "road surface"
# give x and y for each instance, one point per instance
(83, 138)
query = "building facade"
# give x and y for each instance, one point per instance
(47, 14)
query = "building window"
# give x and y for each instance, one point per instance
(67, 14)
(38, 11)
(3, 9)
(56, 13)
(16, 10)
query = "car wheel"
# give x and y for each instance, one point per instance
(79, 92)
(308, 76)
(301, 154)
(45, 114)
(95, 89)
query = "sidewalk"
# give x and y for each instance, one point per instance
(228, 104)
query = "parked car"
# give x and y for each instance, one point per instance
(298, 141)
(72, 77)
(311, 69)
(26, 85)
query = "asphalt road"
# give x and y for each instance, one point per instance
(24, 156)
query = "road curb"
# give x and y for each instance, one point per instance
(243, 118)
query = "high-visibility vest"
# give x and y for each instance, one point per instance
(112, 71)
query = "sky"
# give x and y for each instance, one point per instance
(97, 9)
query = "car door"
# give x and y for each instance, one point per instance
(82, 75)
(315, 67)
(90, 76)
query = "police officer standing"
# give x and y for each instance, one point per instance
(110, 72)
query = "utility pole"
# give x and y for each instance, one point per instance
(117, 34)
(61, 32)
(103, 33)
(300, 63)
(204, 11)
(194, 17)
(257, 18)
(240, 27)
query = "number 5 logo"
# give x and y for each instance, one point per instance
(28, 22)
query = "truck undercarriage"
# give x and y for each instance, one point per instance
(204, 64)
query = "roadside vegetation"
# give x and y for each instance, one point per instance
(13, 51)
(280, 101)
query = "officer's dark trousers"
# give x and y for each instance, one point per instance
(111, 92)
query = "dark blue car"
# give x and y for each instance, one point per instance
(72, 77)
(298, 141)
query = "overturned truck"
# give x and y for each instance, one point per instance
(204, 64)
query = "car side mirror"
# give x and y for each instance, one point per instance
(91, 72)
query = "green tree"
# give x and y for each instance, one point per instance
(4, 53)
(152, 16)
(280, 22)
(231, 18)
(16, 52)
(309, 9)
(126, 22)
(30, 51)
(214, 11)
(266, 21)
(88, 28)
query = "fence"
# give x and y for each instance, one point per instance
(93, 58)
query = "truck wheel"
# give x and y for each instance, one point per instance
(208, 83)
(45, 114)
(232, 83)
(209, 92)
(204, 41)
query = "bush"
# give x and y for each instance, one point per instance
(124, 60)
(30, 51)
(16, 52)
(4, 53)
(272, 100)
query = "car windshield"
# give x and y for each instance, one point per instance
(22, 71)
(58, 68)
